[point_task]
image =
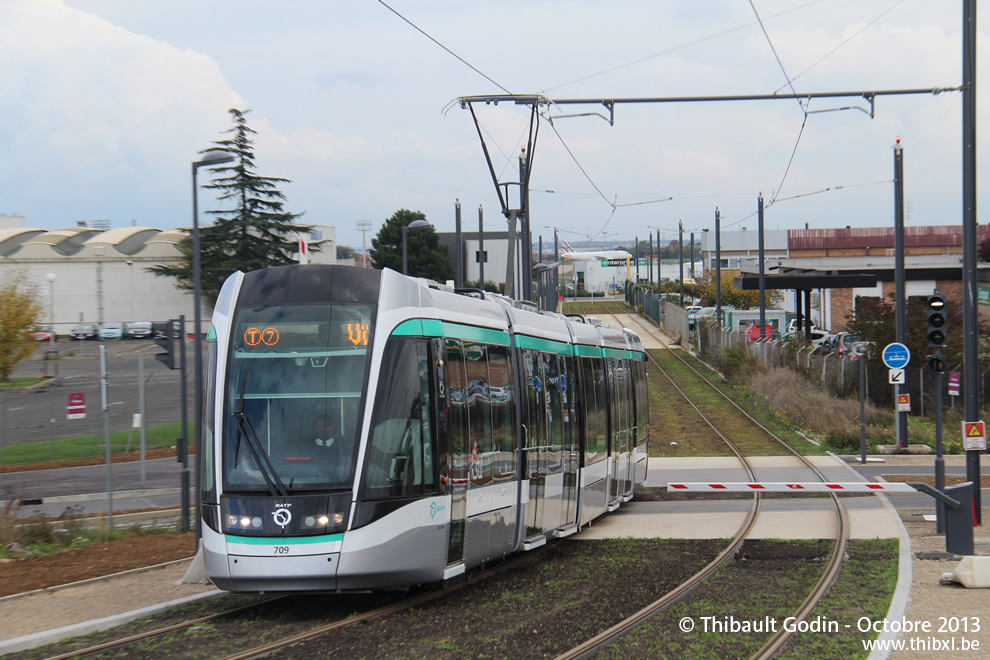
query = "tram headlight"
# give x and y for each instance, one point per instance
(323, 520)
(243, 522)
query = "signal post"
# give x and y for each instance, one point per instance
(167, 335)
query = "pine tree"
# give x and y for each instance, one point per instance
(256, 233)
(426, 256)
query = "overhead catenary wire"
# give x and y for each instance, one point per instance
(844, 42)
(421, 31)
(580, 167)
(686, 44)
(777, 57)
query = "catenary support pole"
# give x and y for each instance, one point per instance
(900, 299)
(971, 356)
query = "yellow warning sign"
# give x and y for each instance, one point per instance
(903, 403)
(903, 398)
(974, 436)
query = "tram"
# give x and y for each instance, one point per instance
(368, 430)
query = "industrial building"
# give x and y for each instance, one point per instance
(90, 273)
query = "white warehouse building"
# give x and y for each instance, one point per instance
(85, 274)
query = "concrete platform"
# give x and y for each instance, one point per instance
(790, 518)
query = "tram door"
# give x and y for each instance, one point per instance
(618, 432)
(536, 445)
(457, 449)
(562, 497)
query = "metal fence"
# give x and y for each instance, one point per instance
(836, 373)
(839, 375)
(672, 319)
(40, 414)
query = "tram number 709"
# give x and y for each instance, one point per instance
(281, 549)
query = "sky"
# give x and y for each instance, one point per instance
(105, 103)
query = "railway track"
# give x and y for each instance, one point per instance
(779, 640)
(288, 640)
(773, 646)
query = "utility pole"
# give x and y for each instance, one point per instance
(458, 247)
(763, 282)
(363, 226)
(649, 264)
(526, 258)
(899, 287)
(680, 257)
(971, 354)
(718, 267)
(481, 248)
(692, 256)
(637, 257)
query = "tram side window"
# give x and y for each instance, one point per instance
(400, 459)
(503, 413)
(568, 400)
(551, 368)
(479, 411)
(595, 426)
(206, 479)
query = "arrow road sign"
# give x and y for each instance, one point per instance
(895, 377)
(896, 355)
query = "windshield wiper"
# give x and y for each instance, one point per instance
(275, 485)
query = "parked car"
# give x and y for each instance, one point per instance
(140, 330)
(84, 331)
(692, 311)
(819, 338)
(159, 334)
(792, 326)
(44, 333)
(112, 330)
(849, 344)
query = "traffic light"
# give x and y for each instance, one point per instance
(936, 363)
(936, 321)
(165, 337)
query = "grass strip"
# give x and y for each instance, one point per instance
(88, 446)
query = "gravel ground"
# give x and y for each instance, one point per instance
(930, 600)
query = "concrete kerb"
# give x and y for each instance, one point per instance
(902, 592)
(84, 628)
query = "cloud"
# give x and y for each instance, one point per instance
(91, 107)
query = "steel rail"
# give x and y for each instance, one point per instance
(779, 640)
(591, 646)
(159, 632)
(261, 651)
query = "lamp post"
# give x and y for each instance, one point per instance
(51, 303)
(214, 157)
(415, 224)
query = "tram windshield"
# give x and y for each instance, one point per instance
(296, 376)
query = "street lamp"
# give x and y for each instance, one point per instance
(51, 303)
(213, 157)
(415, 224)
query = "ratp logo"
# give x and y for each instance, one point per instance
(282, 517)
(436, 508)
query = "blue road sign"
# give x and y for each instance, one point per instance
(896, 355)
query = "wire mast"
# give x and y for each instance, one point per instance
(525, 289)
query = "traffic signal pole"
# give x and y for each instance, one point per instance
(182, 443)
(174, 331)
(937, 339)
